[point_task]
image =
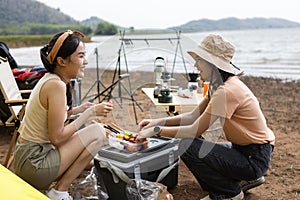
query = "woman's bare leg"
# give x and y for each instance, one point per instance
(73, 171)
(77, 153)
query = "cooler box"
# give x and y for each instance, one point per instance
(160, 155)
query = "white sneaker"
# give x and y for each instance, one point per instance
(240, 196)
(54, 194)
(206, 198)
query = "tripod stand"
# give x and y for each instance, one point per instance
(119, 82)
(97, 81)
(109, 90)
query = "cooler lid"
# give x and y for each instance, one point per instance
(147, 163)
(155, 144)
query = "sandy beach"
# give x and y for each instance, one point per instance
(279, 100)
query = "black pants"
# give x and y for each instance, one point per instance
(219, 167)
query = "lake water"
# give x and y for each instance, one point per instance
(264, 52)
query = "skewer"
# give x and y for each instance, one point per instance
(116, 126)
(111, 133)
(108, 132)
(111, 129)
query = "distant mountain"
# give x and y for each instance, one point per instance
(19, 12)
(94, 21)
(235, 24)
(14, 12)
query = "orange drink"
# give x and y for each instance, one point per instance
(205, 88)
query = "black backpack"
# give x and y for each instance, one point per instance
(4, 52)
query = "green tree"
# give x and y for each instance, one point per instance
(131, 29)
(105, 28)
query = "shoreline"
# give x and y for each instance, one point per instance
(252, 57)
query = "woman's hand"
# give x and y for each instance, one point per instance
(81, 108)
(145, 133)
(89, 114)
(102, 109)
(144, 124)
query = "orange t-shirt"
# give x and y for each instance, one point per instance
(244, 121)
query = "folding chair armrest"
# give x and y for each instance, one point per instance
(25, 91)
(16, 102)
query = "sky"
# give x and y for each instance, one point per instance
(167, 13)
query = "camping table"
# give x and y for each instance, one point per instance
(178, 105)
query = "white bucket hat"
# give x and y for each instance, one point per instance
(216, 50)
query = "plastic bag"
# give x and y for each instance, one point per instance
(146, 190)
(90, 188)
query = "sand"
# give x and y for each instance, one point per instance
(279, 101)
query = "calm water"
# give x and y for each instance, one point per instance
(268, 52)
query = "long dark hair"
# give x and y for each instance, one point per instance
(222, 77)
(68, 47)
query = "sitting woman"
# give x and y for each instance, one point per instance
(49, 150)
(221, 168)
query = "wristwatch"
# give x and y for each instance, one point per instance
(157, 130)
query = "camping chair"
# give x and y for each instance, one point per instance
(12, 105)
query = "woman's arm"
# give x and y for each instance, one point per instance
(194, 130)
(187, 131)
(182, 119)
(53, 95)
(79, 109)
(189, 117)
(53, 98)
(197, 123)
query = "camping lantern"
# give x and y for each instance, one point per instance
(159, 68)
(162, 76)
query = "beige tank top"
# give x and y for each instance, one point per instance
(34, 126)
